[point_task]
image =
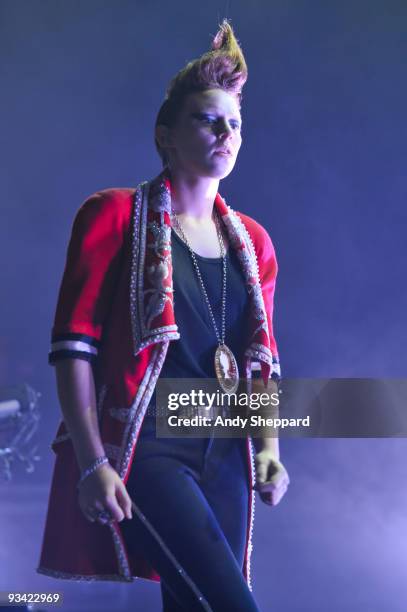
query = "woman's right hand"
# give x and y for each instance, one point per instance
(104, 491)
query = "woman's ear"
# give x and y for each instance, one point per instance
(163, 136)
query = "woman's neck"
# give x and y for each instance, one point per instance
(193, 197)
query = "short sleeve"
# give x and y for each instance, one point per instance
(268, 275)
(91, 273)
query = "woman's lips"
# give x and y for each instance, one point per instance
(223, 152)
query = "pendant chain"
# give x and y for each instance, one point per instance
(220, 339)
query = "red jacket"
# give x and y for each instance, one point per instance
(115, 309)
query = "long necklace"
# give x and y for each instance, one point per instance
(226, 368)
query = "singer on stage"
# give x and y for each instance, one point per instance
(165, 280)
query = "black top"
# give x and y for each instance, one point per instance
(192, 356)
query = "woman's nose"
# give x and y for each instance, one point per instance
(224, 129)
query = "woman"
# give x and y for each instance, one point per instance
(164, 281)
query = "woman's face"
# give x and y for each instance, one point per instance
(206, 138)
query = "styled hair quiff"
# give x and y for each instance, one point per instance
(223, 67)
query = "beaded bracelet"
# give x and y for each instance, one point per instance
(92, 468)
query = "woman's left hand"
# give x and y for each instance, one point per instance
(272, 478)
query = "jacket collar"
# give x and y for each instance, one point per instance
(151, 291)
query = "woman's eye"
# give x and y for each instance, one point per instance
(208, 119)
(202, 118)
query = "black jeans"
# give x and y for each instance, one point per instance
(192, 495)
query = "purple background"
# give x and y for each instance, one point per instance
(322, 167)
